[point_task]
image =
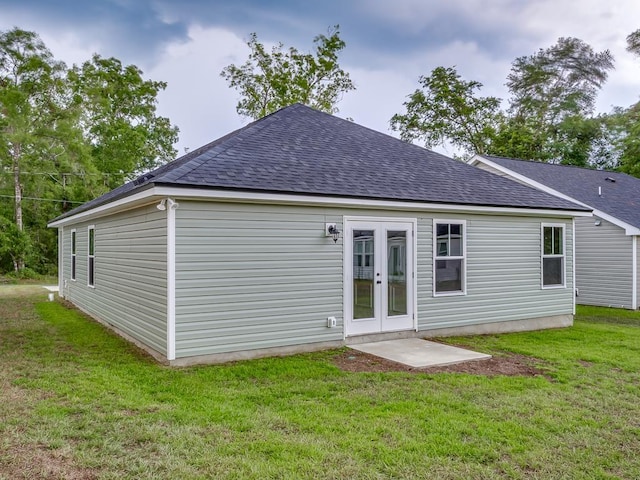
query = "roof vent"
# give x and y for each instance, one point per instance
(143, 178)
(609, 179)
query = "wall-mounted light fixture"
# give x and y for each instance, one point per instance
(331, 230)
(597, 223)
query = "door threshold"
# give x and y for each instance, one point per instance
(376, 337)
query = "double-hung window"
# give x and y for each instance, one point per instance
(91, 258)
(553, 260)
(449, 262)
(73, 254)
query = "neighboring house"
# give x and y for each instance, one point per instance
(304, 231)
(606, 245)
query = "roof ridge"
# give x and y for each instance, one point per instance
(556, 164)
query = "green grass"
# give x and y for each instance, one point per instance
(78, 402)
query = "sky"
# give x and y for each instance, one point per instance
(389, 45)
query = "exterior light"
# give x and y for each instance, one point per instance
(331, 230)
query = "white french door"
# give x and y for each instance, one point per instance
(379, 275)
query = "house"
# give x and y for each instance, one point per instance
(607, 244)
(303, 231)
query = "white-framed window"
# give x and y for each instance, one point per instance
(91, 255)
(73, 254)
(449, 257)
(553, 257)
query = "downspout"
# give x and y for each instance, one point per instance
(634, 272)
(170, 206)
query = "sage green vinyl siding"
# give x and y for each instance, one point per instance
(604, 260)
(130, 273)
(254, 276)
(503, 274)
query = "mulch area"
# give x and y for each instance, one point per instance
(508, 364)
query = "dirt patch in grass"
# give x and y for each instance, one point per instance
(509, 364)
(36, 461)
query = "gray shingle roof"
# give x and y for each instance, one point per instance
(620, 192)
(298, 150)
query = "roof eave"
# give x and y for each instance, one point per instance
(628, 228)
(155, 192)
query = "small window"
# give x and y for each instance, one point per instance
(449, 258)
(73, 254)
(91, 259)
(553, 263)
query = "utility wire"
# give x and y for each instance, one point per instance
(40, 199)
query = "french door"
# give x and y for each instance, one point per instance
(379, 275)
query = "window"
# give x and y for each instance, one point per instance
(552, 255)
(91, 259)
(73, 254)
(449, 257)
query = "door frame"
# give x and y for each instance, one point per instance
(347, 267)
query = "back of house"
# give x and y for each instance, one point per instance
(304, 231)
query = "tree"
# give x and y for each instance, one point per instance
(35, 113)
(119, 119)
(446, 109)
(633, 42)
(553, 94)
(270, 81)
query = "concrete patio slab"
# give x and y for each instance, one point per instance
(417, 352)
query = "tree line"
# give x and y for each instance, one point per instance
(70, 134)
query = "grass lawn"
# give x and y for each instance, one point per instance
(77, 402)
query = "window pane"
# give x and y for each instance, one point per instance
(455, 229)
(448, 276)
(73, 267)
(442, 230)
(455, 243)
(396, 272)
(91, 269)
(552, 271)
(557, 240)
(548, 240)
(73, 243)
(91, 241)
(363, 296)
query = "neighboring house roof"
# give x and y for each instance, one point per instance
(299, 150)
(610, 193)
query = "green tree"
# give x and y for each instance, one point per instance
(119, 119)
(633, 42)
(553, 94)
(447, 109)
(268, 81)
(37, 122)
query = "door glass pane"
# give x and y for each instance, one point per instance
(363, 277)
(396, 272)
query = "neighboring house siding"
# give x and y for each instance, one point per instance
(604, 264)
(254, 276)
(130, 273)
(503, 274)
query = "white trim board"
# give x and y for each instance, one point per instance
(157, 193)
(628, 228)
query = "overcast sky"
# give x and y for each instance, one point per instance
(389, 45)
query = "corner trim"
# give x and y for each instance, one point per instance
(634, 272)
(171, 279)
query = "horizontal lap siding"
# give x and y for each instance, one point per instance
(130, 273)
(503, 274)
(604, 262)
(254, 276)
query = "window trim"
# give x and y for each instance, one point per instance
(74, 255)
(436, 257)
(563, 226)
(91, 275)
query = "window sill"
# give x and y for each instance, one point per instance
(553, 287)
(449, 294)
